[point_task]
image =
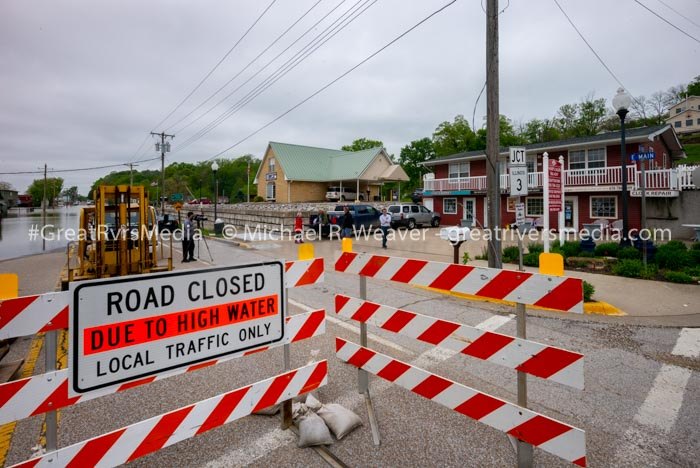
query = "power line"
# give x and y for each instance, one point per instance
(248, 65)
(216, 66)
(281, 71)
(665, 20)
(328, 85)
(78, 168)
(678, 12)
(589, 45)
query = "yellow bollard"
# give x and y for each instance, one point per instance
(347, 244)
(306, 252)
(9, 285)
(551, 264)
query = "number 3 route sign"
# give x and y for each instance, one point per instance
(125, 329)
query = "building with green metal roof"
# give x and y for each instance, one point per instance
(295, 173)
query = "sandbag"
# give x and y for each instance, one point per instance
(313, 431)
(269, 411)
(339, 419)
(312, 403)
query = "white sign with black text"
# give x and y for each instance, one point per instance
(124, 329)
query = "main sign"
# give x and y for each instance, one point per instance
(129, 328)
(643, 156)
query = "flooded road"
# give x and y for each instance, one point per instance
(21, 235)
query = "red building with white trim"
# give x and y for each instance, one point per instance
(592, 178)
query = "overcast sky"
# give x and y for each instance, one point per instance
(83, 82)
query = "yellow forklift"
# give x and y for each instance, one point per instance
(118, 237)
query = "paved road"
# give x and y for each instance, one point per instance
(638, 408)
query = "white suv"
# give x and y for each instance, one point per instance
(347, 194)
(411, 215)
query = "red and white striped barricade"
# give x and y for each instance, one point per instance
(553, 292)
(527, 357)
(131, 442)
(544, 361)
(49, 392)
(28, 315)
(548, 434)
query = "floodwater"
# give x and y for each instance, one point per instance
(16, 230)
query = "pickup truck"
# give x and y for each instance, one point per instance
(411, 215)
(363, 216)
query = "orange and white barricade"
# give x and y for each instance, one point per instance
(525, 356)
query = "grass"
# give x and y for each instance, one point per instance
(692, 150)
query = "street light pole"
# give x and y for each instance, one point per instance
(621, 103)
(215, 167)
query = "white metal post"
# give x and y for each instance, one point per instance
(545, 196)
(562, 212)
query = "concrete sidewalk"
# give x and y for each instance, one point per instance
(644, 302)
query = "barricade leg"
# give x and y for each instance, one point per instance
(524, 450)
(287, 404)
(363, 375)
(51, 418)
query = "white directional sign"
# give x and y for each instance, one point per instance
(518, 181)
(519, 213)
(517, 156)
(129, 328)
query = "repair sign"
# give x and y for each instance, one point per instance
(125, 329)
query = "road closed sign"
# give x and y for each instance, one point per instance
(125, 329)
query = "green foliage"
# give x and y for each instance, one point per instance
(695, 246)
(258, 199)
(54, 187)
(454, 137)
(692, 151)
(465, 258)
(672, 256)
(634, 269)
(588, 291)
(412, 155)
(607, 249)
(484, 254)
(678, 277)
(71, 193)
(693, 271)
(362, 144)
(586, 254)
(629, 253)
(694, 256)
(511, 254)
(532, 259)
(694, 87)
(570, 249)
(535, 248)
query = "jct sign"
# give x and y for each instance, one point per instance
(129, 328)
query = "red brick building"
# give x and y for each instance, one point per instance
(592, 178)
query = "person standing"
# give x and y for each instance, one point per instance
(384, 224)
(348, 223)
(298, 228)
(188, 239)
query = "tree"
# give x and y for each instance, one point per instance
(454, 137)
(539, 131)
(658, 107)
(694, 87)
(5, 185)
(566, 120)
(675, 94)
(72, 194)
(591, 115)
(363, 144)
(412, 155)
(54, 186)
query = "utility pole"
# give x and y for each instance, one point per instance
(131, 172)
(492, 135)
(43, 213)
(248, 186)
(163, 147)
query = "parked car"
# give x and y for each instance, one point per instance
(364, 216)
(411, 215)
(417, 195)
(342, 194)
(202, 201)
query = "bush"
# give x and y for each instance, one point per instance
(629, 253)
(570, 249)
(693, 271)
(535, 248)
(586, 254)
(465, 258)
(258, 199)
(673, 256)
(532, 259)
(588, 291)
(695, 246)
(634, 269)
(607, 249)
(678, 277)
(694, 257)
(511, 254)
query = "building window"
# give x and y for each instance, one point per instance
(689, 123)
(603, 207)
(458, 170)
(678, 110)
(449, 206)
(531, 164)
(698, 121)
(593, 158)
(677, 124)
(271, 165)
(271, 191)
(534, 206)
